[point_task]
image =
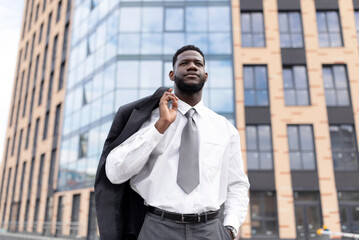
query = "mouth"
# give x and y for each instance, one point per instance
(192, 75)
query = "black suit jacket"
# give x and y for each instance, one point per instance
(120, 210)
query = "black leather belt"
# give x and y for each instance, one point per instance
(184, 218)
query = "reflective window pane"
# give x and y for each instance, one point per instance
(256, 85)
(196, 19)
(151, 72)
(252, 27)
(152, 18)
(301, 147)
(130, 19)
(336, 85)
(174, 19)
(329, 29)
(259, 147)
(219, 19)
(290, 26)
(296, 90)
(129, 43)
(127, 74)
(344, 147)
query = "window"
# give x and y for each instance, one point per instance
(60, 209)
(83, 145)
(48, 215)
(36, 215)
(37, 12)
(263, 214)
(255, 86)
(357, 23)
(93, 4)
(48, 27)
(46, 123)
(336, 85)
(252, 26)
(30, 19)
(296, 90)
(301, 147)
(35, 134)
(40, 93)
(174, 19)
(40, 32)
(58, 11)
(291, 33)
(329, 29)
(349, 211)
(31, 177)
(92, 219)
(75, 214)
(40, 175)
(61, 78)
(54, 51)
(44, 5)
(27, 136)
(259, 147)
(26, 47)
(308, 215)
(22, 178)
(344, 147)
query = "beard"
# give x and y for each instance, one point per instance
(189, 88)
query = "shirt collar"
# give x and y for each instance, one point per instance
(183, 107)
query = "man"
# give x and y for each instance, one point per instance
(185, 162)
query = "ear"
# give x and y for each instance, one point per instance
(172, 75)
(206, 74)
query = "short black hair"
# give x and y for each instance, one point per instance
(186, 48)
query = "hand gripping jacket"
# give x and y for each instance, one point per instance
(120, 210)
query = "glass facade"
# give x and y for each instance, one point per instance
(122, 51)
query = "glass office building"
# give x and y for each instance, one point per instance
(122, 51)
(283, 72)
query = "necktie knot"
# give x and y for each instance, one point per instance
(190, 113)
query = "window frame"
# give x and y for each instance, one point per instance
(262, 218)
(290, 30)
(300, 150)
(251, 33)
(295, 88)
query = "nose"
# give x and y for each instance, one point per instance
(192, 66)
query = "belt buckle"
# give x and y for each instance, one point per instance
(182, 218)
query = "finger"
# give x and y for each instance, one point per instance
(175, 105)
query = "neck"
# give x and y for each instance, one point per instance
(190, 98)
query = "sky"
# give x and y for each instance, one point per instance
(10, 27)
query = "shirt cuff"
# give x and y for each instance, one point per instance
(232, 220)
(154, 134)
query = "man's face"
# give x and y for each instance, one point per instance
(189, 74)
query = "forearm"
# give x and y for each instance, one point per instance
(236, 204)
(128, 159)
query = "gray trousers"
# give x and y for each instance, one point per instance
(156, 228)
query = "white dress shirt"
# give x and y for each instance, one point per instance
(150, 160)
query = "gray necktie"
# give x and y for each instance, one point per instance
(188, 163)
